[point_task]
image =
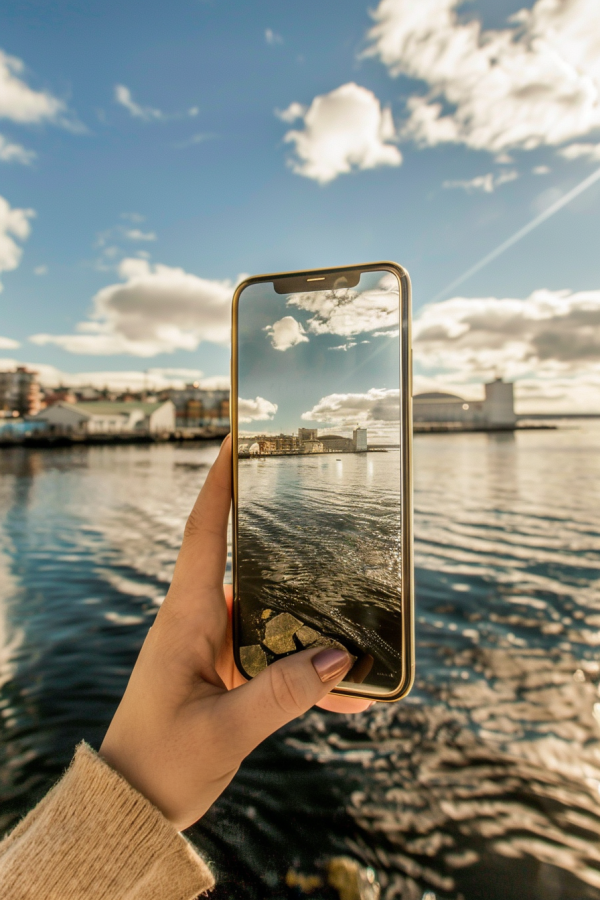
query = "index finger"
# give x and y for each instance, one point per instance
(203, 553)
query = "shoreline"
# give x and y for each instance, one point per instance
(49, 441)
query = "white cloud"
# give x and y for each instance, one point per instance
(271, 37)
(14, 223)
(8, 343)
(486, 183)
(21, 103)
(118, 380)
(15, 152)
(344, 129)
(291, 113)
(158, 309)
(347, 313)
(550, 339)
(40, 270)
(258, 410)
(578, 151)
(134, 234)
(533, 83)
(286, 333)
(124, 97)
(376, 406)
(541, 170)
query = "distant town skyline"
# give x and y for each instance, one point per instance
(246, 138)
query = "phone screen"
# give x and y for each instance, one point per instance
(318, 532)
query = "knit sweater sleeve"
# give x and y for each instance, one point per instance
(93, 837)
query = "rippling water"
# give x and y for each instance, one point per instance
(319, 537)
(485, 783)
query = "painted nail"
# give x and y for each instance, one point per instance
(331, 664)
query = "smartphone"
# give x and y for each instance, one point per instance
(321, 426)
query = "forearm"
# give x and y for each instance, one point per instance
(93, 837)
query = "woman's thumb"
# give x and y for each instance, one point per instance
(282, 692)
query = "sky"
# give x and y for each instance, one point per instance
(321, 359)
(151, 154)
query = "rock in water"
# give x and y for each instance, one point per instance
(352, 881)
(253, 659)
(279, 633)
(308, 637)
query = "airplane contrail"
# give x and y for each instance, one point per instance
(578, 189)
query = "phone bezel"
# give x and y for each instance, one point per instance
(406, 505)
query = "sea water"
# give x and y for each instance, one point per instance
(484, 783)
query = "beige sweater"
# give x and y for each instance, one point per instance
(93, 837)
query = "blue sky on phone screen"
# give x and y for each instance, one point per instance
(151, 154)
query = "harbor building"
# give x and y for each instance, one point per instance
(496, 411)
(359, 440)
(196, 407)
(130, 417)
(307, 434)
(335, 443)
(19, 393)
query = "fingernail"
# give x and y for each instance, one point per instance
(330, 664)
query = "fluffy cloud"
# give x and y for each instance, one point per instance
(486, 183)
(286, 333)
(577, 151)
(344, 129)
(158, 309)
(258, 410)
(14, 223)
(375, 406)
(18, 101)
(8, 344)
(549, 342)
(533, 83)
(15, 153)
(347, 313)
(150, 379)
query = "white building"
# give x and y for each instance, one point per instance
(359, 440)
(496, 411)
(109, 418)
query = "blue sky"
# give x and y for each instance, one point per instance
(144, 166)
(321, 359)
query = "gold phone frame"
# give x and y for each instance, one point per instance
(407, 638)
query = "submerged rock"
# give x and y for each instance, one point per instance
(279, 633)
(308, 637)
(351, 880)
(253, 659)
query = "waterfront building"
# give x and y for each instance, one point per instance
(109, 418)
(337, 443)
(196, 407)
(310, 446)
(307, 434)
(19, 393)
(359, 440)
(441, 408)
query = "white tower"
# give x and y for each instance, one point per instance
(499, 405)
(359, 439)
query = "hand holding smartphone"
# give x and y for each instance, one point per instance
(322, 433)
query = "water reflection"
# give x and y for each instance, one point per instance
(485, 784)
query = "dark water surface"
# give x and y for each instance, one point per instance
(484, 784)
(319, 537)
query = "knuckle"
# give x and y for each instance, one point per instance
(289, 690)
